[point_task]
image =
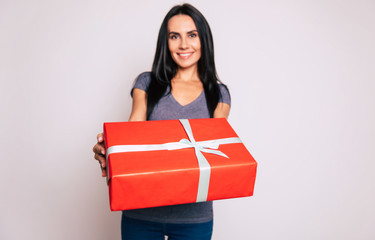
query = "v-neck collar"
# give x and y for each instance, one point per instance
(186, 105)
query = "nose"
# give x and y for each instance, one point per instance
(183, 43)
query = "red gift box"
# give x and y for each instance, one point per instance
(169, 162)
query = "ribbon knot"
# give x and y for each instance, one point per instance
(207, 147)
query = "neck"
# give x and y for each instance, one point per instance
(187, 74)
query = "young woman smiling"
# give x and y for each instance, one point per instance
(183, 83)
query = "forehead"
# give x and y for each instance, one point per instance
(181, 23)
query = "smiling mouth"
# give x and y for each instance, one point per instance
(184, 55)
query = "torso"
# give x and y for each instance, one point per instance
(175, 105)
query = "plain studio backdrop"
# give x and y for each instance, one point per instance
(302, 79)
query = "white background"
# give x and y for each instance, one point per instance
(302, 79)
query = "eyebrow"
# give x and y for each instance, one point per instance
(176, 33)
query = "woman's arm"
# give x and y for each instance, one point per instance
(222, 110)
(139, 111)
(139, 107)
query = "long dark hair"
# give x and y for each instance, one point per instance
(164, 68)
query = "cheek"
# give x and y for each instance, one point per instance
(172, 46)
(197, 45)
(169, 46)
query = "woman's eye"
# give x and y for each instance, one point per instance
(173, 36)
(193, 35)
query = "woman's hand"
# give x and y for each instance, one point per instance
(99, 151)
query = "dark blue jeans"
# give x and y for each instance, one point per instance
(134, 229)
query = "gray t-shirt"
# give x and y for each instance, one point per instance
(166, 109)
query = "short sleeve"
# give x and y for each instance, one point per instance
(225, 95)
(142, 82)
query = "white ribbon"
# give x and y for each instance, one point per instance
(199, 147)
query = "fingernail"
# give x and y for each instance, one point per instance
(100, 138)
(103, 152)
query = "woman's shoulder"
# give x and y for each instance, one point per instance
(224, 94)
(223, 87)
(142, 81)
(224, 90)
(145, 76)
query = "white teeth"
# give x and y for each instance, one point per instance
(184, 54)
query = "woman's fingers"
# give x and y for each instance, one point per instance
(104, 172)
(99, 151)
(101, 159)
(100, 138)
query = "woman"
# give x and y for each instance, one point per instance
(183, 84)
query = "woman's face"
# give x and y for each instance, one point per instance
(183, 41)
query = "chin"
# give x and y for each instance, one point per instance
(185, 65)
